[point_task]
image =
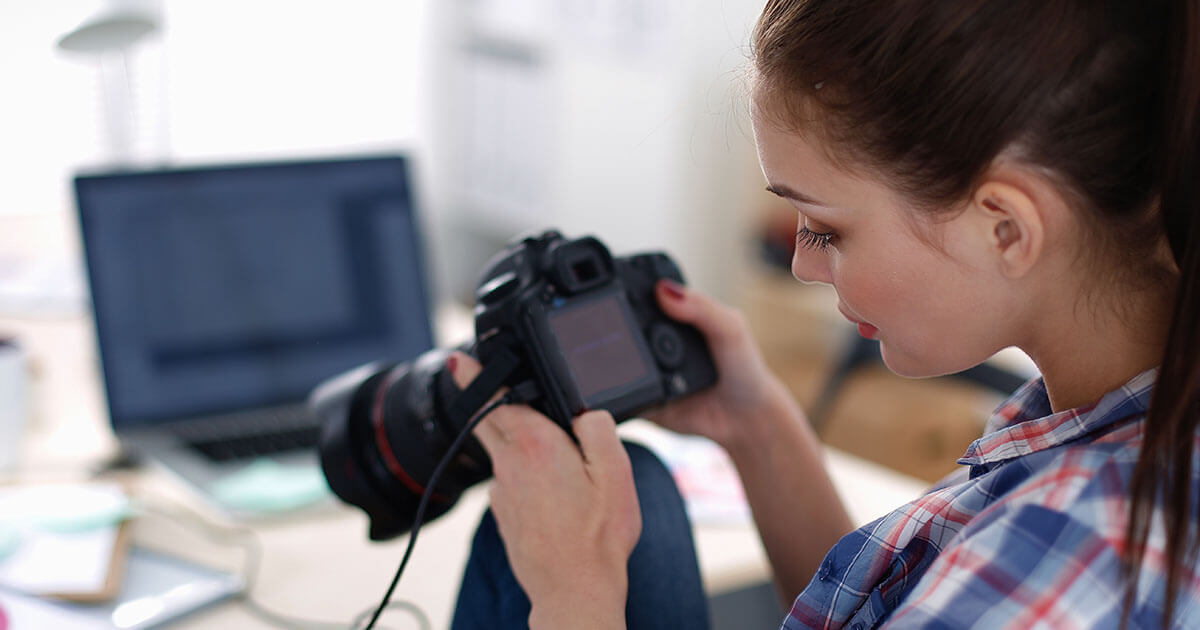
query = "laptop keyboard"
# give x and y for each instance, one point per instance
(242, 446)
(253, 434)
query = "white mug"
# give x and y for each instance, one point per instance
(14, 401)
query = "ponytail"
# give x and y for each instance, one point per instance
(1165, 469)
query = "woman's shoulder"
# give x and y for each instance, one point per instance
(1050, 547)
(1086, 480)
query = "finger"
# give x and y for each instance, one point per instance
(719, 323)
(668, 414)
(602, 449)
(490, 435)
(518, 432)
(464, 368)
(499, 501)
(533, 445)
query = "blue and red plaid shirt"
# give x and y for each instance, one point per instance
(1030, 535)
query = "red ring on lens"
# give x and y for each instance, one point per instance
(385, 448)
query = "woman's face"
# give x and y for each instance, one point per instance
(916, 284)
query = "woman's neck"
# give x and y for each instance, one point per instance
(1087, 349)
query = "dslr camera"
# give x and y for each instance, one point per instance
(561, 321)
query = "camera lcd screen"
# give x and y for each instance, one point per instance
(598, 345)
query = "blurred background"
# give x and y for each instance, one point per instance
(625, 119)
(618, 118)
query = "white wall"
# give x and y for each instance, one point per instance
(639, 136)
(224, 79)
(47, 114)
(635, 134)
(285, 78)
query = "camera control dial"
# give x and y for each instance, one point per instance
(667, 345)
(498, 288)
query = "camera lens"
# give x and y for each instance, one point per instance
(382, 439)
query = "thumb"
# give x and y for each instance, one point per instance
(601, 447)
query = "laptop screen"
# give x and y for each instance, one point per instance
(227, 288)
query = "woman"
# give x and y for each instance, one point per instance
(968, 175)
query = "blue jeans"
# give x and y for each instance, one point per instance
(664, 577)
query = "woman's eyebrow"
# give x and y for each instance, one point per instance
(787, 193)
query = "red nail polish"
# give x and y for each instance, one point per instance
(673, 289)
(452, 363)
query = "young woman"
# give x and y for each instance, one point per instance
(968, 175)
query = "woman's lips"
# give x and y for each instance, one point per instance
(867, 330)
(864, 329)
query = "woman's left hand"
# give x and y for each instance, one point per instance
(568, 515)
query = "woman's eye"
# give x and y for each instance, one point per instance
(809, 239)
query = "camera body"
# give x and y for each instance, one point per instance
(559, 320)
(587, 327)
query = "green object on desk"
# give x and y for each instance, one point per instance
(95, 517)
(64, 508)
(10, 539)
(268, 486)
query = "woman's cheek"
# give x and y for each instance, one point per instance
(862, 293)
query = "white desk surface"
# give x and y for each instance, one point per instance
(321, 566)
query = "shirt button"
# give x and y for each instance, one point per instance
(826, 569)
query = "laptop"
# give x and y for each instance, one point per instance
(223, 294)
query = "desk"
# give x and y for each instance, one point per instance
(321, 566)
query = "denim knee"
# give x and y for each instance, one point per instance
(665, 590)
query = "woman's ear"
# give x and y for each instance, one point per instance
(1013, 222)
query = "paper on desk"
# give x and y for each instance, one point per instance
(61, 538)
(53, 286)
(708, 482)
(25, 612)
(711, 488)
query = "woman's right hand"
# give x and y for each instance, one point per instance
(754, 417)
(747, 395)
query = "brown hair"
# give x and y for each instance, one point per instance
(1102, 94)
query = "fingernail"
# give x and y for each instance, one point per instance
(673, 289)
(452, 363)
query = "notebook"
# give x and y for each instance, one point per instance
(223, 294)
(157, 590)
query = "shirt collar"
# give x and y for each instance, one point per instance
(1024, 424)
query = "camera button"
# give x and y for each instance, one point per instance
(667, 345)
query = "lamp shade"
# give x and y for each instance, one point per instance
(108, 32)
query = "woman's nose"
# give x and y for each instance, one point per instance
(811, 267)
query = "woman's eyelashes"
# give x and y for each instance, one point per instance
(809, 239)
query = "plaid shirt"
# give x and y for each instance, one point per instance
(1029, 536)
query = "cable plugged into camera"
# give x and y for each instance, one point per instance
(584, 327)
(523, 393)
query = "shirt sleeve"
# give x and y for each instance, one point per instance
(1027, 567)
